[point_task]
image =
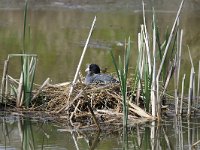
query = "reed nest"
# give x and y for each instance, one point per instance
(99, 97)
(88, 104)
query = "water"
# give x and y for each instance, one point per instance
(175, 133)
(58, 32)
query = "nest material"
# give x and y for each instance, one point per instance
(104, 101)
(99, 96)
(88, 105)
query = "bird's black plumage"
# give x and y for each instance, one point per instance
(94, 76)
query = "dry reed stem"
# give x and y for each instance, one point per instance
(146, 38)
(6, 89)
(72, 102)
(46, 82)
(190, 97)
(158, 100)
(3, 82)
(80, 61)
(163, 59)
(114, 117)
(12, 79)
(140, 64)
(198, 85)
(176, 101)
(136, 109)
(153, 88)
(193, 145)
(19, 99)
(94, 117)
(72, 114)
(59, 84)
(182, 94)
(179, 57)
(191, 85)
(167, 81)
(170, 38)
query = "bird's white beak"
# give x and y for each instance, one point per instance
(87, 69)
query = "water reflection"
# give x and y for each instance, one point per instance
(28, 134)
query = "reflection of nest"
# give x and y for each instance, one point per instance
(105, 102)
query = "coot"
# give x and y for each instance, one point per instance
(94, 76)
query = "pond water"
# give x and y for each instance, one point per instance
(58, 31)
(31, 134)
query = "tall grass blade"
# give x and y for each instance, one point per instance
(122, 73)
(157, 35)
(164, 68)
(123, 90)
(115, 64)
(28, 75)
(127, 58)
(136, 79)
(147, 84)
(25, 22)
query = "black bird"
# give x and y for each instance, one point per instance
(94, 76)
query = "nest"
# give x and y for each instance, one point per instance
(100, 97)
(87, 105)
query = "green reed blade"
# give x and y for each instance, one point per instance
(115, 64)
(28, 71)
(122, 73)
(127, 58)
(146, 87)
(25, 20)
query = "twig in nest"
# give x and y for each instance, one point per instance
(193, 145)
(93, 116)
(46, 82)
(92, 113)
(72, 114)
(69, 103)
(136, 109)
